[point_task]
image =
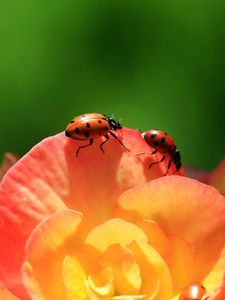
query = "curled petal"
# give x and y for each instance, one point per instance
(154, 271)
(114, 231)
(126, 271)
(102, 282)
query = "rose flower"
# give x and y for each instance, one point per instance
(106, 226)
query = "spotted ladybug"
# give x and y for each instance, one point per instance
(164, 144)
(194, 292)
(92, 126)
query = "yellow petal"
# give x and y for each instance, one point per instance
(114, 231)
(74, 279)
(126, 271)
(153, 270)
(102, 283)
(156, 236)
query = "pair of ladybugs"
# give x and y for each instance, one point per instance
(94, 125)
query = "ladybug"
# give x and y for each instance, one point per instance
(194, 292)
(164, 144)
(92, 126)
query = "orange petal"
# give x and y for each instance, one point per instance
(114, 231)
(156, 236)
(184, 207)
(181, 262)
(46, 247)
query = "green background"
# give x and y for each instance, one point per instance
(153, 64)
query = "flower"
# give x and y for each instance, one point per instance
(105, 226)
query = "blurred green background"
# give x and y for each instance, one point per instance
(153, 64)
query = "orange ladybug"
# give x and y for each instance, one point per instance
(92, 126)
(164, 144)
(194, 292)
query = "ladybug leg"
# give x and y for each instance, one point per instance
(169, 165)
(90, 143)
(113, 134)
(157, 162)
(107, 137)
(153, 152)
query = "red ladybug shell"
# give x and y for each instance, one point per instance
(88, 126)
(160, 140)
(163, 143)
(193, 292)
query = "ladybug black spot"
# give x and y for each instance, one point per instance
(67, 133)
(88, 125)
(156, 143)
(77, 130)
(162, 141)
(99, 121)
(153, 135)
(72, 121)
(87, 134)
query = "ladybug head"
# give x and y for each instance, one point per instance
(114, 125)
